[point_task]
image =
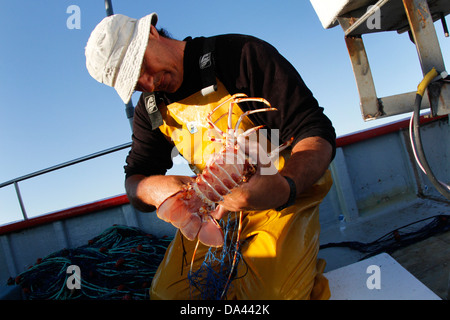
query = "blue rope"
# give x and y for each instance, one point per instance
(212, 277)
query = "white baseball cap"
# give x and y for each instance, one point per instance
(115, 50)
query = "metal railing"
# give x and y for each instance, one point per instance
(16, 181)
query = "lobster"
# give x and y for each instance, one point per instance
(193, 208)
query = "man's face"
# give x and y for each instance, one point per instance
(162, 66)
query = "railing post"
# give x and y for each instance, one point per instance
(109, 8)
(19, 197)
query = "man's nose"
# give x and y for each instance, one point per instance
(146, 83)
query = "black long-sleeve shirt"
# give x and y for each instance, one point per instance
(244, 64)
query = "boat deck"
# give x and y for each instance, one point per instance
(427, 260)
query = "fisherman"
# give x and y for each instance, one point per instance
(181, 81)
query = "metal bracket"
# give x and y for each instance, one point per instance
(400, 15)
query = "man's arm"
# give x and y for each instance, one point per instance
(309, 160)
(146, 193)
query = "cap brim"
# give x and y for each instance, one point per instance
(131, 65)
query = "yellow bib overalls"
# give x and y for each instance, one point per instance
(280, 256)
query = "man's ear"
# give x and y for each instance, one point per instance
(153, 33)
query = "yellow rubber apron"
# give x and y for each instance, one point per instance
(279, 247)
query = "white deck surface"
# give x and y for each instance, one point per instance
(358, 281)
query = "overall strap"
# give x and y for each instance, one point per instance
(152, 109)
(207, 68)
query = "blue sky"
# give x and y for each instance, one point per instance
(52, 111)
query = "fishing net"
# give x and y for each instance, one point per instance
(118, 264)
(219, 268)
(398, 238)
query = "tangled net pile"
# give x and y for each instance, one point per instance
(219, 268)
(119, 264)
